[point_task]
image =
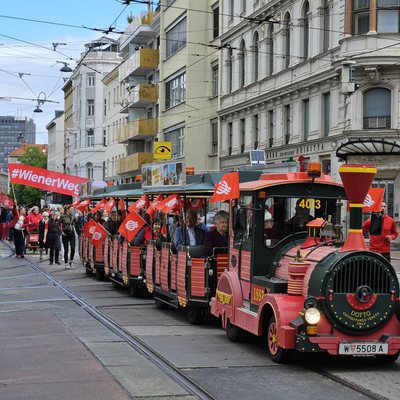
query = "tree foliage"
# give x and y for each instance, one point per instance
(26, 195)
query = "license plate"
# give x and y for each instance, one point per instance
(363, 348)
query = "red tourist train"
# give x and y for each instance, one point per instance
(288, 274)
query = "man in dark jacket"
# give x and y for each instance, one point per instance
(67, 223)
(190, 233)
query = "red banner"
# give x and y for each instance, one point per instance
(43, 179)
(227, 188)
(373, 200)
(131, 225)
(6, 201)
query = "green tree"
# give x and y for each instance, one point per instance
(26, 195)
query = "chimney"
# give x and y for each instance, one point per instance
(357, 179)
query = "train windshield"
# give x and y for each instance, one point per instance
(284, 216)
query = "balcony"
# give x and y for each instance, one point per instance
(139, 129)
(142, 95)
(142, 61)
(133, 162)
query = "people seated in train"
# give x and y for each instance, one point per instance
(97, 217)
(112, 224)
(139, 239)
(155, 233)
(176, 221)
(217, 237)
(299, 220)
(272, 233)
(190, 233)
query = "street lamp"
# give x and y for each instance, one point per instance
(65, 68)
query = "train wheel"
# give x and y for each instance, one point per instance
(134, 290)
(388, 359)
(160, 304)
(234, 333)
(278, 354)
(194, 315)
(100, 274)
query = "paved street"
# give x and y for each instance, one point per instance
(54, 349)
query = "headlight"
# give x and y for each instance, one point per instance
(312, 316)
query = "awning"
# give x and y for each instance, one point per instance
(371, 147)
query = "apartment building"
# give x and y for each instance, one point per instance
(311, 79)
(189, 80)
(85, 153)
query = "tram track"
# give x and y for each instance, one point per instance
(139, 346)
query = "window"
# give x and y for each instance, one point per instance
(176, 38)
(169, 2)
(255, 132)
(75, 141)
(270, 50)
(388, 16)
(215, 13)
(286, 116)
(326, 27)
(361, 16)
(306, 118)
(243, 220)
(90, 80)
(215, 80)
(270, 128)
(242, 134)
(90, 138)
(175, 91)
(377, 109)
(286, 34)
(326, 114)
(306, 30)
(89, 170)
(105, 107)
(255, 57)
(104, 138)
(228, 64)
(243, 6)
(177, 139)
(231, 9)
(242, 64)
(214, 138)
(230, 138)
(90, 108)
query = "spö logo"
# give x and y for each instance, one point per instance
(368, 201)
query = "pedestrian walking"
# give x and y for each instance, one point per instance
(68, 236)
(19, 225)
(43, 225)
(52, 238)
(382, 230)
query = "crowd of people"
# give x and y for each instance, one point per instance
(59, 230)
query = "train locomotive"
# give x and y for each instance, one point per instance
(304, 288)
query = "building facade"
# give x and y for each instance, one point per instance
(14, 132)
(302, 79)
(189, 81)
(84, 133)
(55, 129)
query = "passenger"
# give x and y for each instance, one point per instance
(43, 225)
(155, 233)
(112, 224)
(272, 233)
(219, 236)
(52, 238)
(175, 223)
(139, 239)
(190, 233)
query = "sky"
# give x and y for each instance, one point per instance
(30, 63)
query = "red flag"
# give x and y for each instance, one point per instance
(109, 205)
(171, 203)
(99, 235)
(99, 206)
(43, 179)
(143, 202)
(6, 201)
(373, 200)
(82, 205)
(227, 188)
(131, 225)
(195, 204)
(153, 206)
(121, 206)
(75, 203)
(89, 228)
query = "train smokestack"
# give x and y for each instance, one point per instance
(357, 179)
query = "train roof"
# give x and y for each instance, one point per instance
(287, 178)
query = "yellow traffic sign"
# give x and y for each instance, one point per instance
(162, 150)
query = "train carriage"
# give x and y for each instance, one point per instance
(303, 287)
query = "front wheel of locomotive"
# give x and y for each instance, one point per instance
(234, 333)
(194, 315)
(278, 354)
(388, 359)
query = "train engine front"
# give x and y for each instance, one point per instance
(351, 295)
